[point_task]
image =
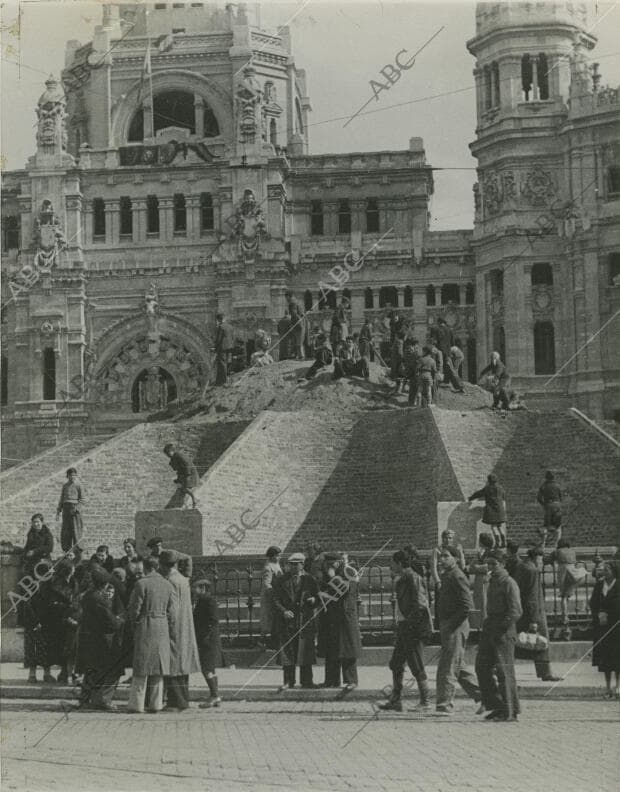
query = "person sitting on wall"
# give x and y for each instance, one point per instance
(323, 357)
(499, 381)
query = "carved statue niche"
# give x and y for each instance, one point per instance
(151, 310)
(48, 237)
(52, 114)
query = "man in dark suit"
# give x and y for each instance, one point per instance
(223, 349)
(187, 475)
(496, 649)
(413, 629)
(207, 628)
(295, 597)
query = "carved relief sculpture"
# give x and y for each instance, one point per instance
(249, 226)
(52, 114)
(491, 194)
(248, 100)
(537, 186)
(48, 237)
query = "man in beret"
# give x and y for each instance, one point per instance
(184, 658)
(496, 648)
(185, 563)
(295, 597)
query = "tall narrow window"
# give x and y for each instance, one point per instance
(10, 236)
(470, 294)
(126, 217)
(388, 297)
(308, 300)
(372, 215)
(49, 374)
(527, 76)
(408, 297)
(488, 90)
(332, 300)
(430, 295)
(98, 218)
(449, 293)
(344, 217)
(497, 282)
(316, 218)
(4, 381)
(273, 132)
(206, 212)
(180, 214)
(542, 73)
(544, 348)
(495, 83)
(152, 214)
(369, 299)
(613, 179)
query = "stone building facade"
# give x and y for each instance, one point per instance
(172, 180)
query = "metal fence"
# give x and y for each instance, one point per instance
(238, 589)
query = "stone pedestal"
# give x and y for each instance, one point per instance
(180, 529)
(461, 517)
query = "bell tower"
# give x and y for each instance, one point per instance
(530, 70)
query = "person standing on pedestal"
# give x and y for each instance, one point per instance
(71, 498)
(223, 349)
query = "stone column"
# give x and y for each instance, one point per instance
(493, 77)
(420, 320)
(400, 296)
(192, 212)
(535, 88)
(138, 206)
(479, 94)
(358, 209)
(87, 219)
(462, 296)
(199, 116)
(357, 307)
(166, 220)
(510, 94)
(112, 211)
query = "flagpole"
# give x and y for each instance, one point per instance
(148, 61)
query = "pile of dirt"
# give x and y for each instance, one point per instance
(278, 387)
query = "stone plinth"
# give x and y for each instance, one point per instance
(461, 517)
(180, 529)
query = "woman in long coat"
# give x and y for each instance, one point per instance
(494, 513)
(39, 543)
(605, 608)
(271, 572)
(61, 619)
(295, 597)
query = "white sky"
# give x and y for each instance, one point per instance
(342, 46)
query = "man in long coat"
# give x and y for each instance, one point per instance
(496, 647)
(184, 659)
(295, 597)
(99, 649)
(340, 641)
(150, 611)
(534, 619)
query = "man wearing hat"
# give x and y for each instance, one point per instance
(295, 597)
(496, 648)
(150, 611)
(185, 563)
(184, 659)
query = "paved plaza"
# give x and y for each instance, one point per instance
(557, 745)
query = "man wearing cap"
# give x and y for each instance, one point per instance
(496, 648)
(150, 611)
(187, 475)
(184, 659)
(295, 597)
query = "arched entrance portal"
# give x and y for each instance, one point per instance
(152, 390)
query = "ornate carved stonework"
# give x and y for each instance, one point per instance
(48, 237)
(492, 193)
(249, 227)
(51, 114)
(248, 101)
(537, 186)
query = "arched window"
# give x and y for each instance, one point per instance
(495, 83)
(10, 233)
(497, 282)
(152, 390)
(126, 216)
(369, 298)
(527, 75)
(136, 128)
(344, 217)
(4, 381)
(430, 295)
(450, 293)
(388, 297)
(174, 108)
(152, 214)
(470, 294)
(372, 215)
(542, 76)
(206, 212)
(273, 132)
(180, 214)
(408, 297)
(542, 274)
(544, 348)
(49, 374)
(308, 300)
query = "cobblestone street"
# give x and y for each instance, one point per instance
(302, 746)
